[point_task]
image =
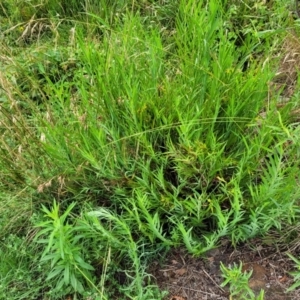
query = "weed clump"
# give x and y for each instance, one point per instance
(144, 127)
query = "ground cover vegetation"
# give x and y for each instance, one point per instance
(129, 128)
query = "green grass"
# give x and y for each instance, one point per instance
(144, 127)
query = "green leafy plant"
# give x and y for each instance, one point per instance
(102, 226)
(156, 118)
(63, 250)
(238, 283)
(296, 274)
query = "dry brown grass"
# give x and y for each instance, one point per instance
(287, 75)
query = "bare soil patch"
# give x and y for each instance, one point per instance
(188, 278)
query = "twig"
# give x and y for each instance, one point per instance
(217, 285)
(194, 290)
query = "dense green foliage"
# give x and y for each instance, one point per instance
(130, 127)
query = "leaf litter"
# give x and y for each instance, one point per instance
(190, 278)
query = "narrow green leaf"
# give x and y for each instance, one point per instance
(56, 272)
(67, 274)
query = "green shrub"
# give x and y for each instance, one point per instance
(161, 136)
